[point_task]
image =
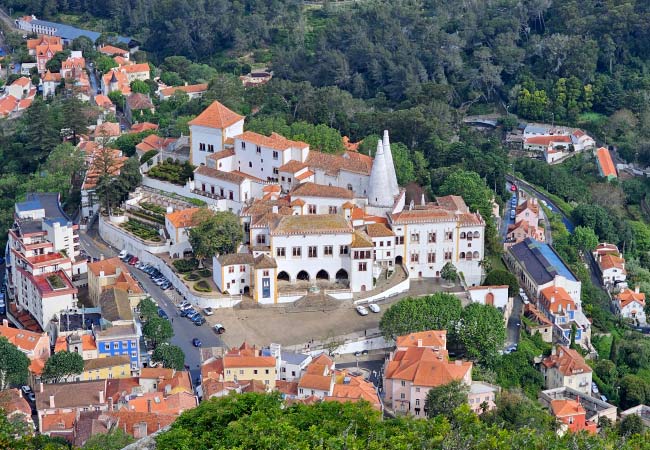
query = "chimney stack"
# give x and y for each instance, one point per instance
(41, 386)
(552, 299)
(636, 289)
(5, 322)
(149, 405)
(101, 257)
(52, 401)
(110, 403)
(419, 342)
(20, 393)
(101, 397)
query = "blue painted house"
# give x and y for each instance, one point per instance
(119, 340)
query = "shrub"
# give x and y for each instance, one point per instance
(141, 230)
(185, 265)
(153, 208)
(148, 155)
(205, 273)
(196, 201)
(202, 286)
(173, 172)
(192, 277)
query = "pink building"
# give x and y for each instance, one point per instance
(418, 364)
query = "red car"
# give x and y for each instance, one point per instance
(133, 260)
(513, 188)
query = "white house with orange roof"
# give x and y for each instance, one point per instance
(630, 304)
(320, 199)
(192, 91)
(50, 82)
(528, 211)
(210, 130)
(383, 241)
(318, 379)
(111, 50)
(612, 270)
(565, 367)
(20, 88)
(561, 309)
(178, 225)
(418, 364)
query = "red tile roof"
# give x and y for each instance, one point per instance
(274, 141)
(312, 381)
(610, 261)
(565, 408)
(319, 190)
(58, 421)
(557, 299)
(216, 116)
(190, 89)
(567, 361)
(112, 50)
(135, 68)
(103, 101)
(140, 127)
(547, 140)
(431, 338)
(605, 162)
(183, 218)
(425, 367)
(627, 296)
(12, 401)
(333, 164)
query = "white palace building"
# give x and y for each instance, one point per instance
(310, 216)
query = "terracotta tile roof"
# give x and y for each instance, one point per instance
(272, 188)
(216, 116)
(23, 339)
(627, 296)
(287, 387)
(58, 421)
(61, 344)
(135, 68)
(425, 367)
(557, 299)
(183, 218)
(103, 101)
(436, 214)
(292, 166)
(605, 162)
(567, 361)
(235, 361)
(360, 240)
(313, 381)
(231, 177)
(222, 154)
(303, 176)
(311, 224)
(8, 104)
(109, 266)
(566, 408)
(533, 314)
(431, 338)
(22, 81)
(333, 164)
(154, 142)
(531, 204)
(49, 76)
(375, 230)
(547, 140)
(128, 420)
(112, 50)
(107, 129)
(172, 404)
(604, 248)
(320, 190)
(106, 362)
(212, 386)
(43, 40)
(265, 262)
(232, 259)
(349, 388)
(138, 101)
(179, 381)
(612, 262)
(12, 401)
(190, 89)
(140, 127)
(274, 141)
(452, 203)
(119, 387)
(121, 79)
(70, 395)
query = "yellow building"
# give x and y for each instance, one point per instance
(243, 364)
(114, 273)
(106, 368)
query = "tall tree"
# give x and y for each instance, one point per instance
(14, 365)
(170, 356)
(215, 233)
(499, 277)
(62, 365)
(443, 400)
(157, 330)
(482, 332)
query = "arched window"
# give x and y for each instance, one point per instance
(475, 255)
(477, 234)
(462, 235)
(462, 255)
(349, 187)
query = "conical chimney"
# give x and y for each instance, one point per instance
(379, 193)
(390, 166)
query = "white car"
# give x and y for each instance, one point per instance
(362, 310)
(208, 311)
(122, 254)
(374, 307)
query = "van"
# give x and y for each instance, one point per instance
(512, 214)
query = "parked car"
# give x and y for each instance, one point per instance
(362, 310)
(374, 307)
(191, 313)
(185, 312)
(198, 320)
(127, 257)
(196, 342)
(122, 254)
(594, 388)
(133, 261)
(162, 313)
(512, 214)
(208, 311)
(219, 329)
(360, 352)
(184, 305)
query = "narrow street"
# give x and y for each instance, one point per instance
(184, 330)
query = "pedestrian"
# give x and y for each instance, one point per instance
(172, 320)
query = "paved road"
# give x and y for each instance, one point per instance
(514, 322)
(184, 330)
